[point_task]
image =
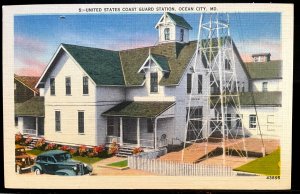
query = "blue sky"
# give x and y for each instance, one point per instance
(38, 36)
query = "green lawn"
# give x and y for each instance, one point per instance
(86, 159)
(34, 152)
(121, 164)
(267, 165)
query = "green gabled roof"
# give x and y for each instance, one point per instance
(178, 57)
(180, 21)
(162, 61)
(258, 98)
(139, 109)
(32, 107)
(103, 66)
(261, 98)
(265, 70)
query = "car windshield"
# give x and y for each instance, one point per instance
(20, 151)
(62, 157)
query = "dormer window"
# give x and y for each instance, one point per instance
(181, 35)
(153, 82)
(167, 33)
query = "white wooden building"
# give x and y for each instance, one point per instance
(137, 96)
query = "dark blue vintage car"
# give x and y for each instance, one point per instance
(59, 162)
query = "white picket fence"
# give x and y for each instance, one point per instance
(172, 168)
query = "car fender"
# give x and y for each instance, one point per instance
(65, 172)
(36, 166)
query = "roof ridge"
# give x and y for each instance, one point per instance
(89, 47)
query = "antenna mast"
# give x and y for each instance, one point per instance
(213, 115)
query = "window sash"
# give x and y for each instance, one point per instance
(57, 121)
(199, 84)
(252, 121)
(149, 126)
(80, 122)
(265, 86)
(181, 34)
(85, 85)
(52, 86)
(153, 82)
(68, 85)
(189, 83)
(167, 33)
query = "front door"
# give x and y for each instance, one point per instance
(129, 131)
(40, 126)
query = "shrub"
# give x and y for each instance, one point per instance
(65, 148)
(18, 138)
(73, 151)
(137, 150)
(28, 140)
(82, 150)
(40, 144)
(51, 146)
(97, 150)
(113, 148)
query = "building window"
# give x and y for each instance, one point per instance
(68, 86)
(80, 122)
(227, 64)
(153, 82)
(228, 121)
(181, 35)
(199, 84)
(195, 123)
(239, 121)
(265, 86)
(110, 126)
(52, 86)
(16, 121)
(15, 86)
(85, 85)
(167, 33)
(243, 87)
(189, 83)
(57, 121)
(252, 121)
(149, 126)
(270, 119)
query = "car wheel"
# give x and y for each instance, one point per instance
(37, 171)
(18, 169)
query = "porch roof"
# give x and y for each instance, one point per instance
(139, 109)
(32, 107)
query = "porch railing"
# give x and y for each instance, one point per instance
(29, 131)
(147, 143)
(111, 139)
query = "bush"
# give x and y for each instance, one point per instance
(82, 150)
(65, 148)
(28, 140)
(113, 148)
(137, 150)
(40, 144)
(19, 138)
(51, 146)
(73, 151)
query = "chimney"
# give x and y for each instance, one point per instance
(261, 57)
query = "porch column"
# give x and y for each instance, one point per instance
(121, 131)
(36, 125)
(155, 133)
(138, 132)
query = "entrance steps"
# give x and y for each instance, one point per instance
(125, 151)
(32, 144)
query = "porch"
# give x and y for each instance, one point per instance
(29, 116)
(140, 124)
